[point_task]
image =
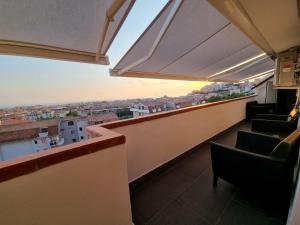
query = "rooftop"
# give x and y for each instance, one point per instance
(27, 130)
(25, 126)
(13, 122)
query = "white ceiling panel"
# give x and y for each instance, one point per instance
(199, 42)
(223, 44)
(144, 43)
(202, 23)
(73, 25)
(277, 20)
(241, 55)
(260, 67)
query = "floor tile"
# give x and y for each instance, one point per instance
(207, 201)
(176, 214)
(238, 214)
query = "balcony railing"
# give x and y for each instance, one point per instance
(153, 140)
(59, 187)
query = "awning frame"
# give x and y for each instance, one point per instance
(49, 52)
(219, 76)
(19, 48)
(162, 76)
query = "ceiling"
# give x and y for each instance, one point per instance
(73, 30)
(215, 40)
(272, 25)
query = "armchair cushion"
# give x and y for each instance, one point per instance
(272, 117)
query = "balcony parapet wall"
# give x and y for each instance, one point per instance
(155, 139)
(102, 139)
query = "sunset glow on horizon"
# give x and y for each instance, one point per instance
(29, 81)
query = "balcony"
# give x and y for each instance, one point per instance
(161, 174)
(183, 193)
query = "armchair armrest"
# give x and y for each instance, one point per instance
(256, 142)
(275, 126)
(272, 117)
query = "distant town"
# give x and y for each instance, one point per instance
(28, 129)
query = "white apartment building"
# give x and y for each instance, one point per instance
(25, 139)
(145, 108)
(73, 129)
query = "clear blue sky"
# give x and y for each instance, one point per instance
(26, 81)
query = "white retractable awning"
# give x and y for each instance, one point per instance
(191, 40)
(74, 30)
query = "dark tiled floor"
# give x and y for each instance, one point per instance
(184, 195)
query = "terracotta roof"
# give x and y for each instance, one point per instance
(105, 117)
(151, 104)
(184, 103)
(25, 126)
(27, 131)
(26, 134)
(14, 122)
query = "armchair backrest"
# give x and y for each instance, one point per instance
(252, 103)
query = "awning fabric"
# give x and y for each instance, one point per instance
(73, 30)
(198, 44)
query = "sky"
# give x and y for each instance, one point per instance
(29, 81)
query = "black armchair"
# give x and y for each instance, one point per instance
(253, 108)
(274, 125)
(258, 162)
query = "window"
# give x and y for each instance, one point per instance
(72, 132)
(44, 129)
(82, 137)
(80, 128)
(71, 123)
(74, 139)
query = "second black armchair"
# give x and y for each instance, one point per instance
(253, 108)
(259, 163)
(274, 124)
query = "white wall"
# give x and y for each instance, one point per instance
(152, 143)
(11, 150)
(81, 133)
(88, 190)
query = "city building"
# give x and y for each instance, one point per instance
(60, 112)
(144, 108)
(28, 138)
(199, 165)
(73, 129)
(14, 122)
(102, 118)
